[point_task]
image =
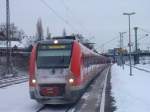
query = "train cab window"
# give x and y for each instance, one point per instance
(53, 56)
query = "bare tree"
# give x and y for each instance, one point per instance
(39, 29)
(64, 32)
(15, 33)
(48, 33)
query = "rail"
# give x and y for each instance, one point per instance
(55, 108)
(148, 71)
(142, 69)
(12, 81)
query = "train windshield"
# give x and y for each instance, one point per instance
(53, 56)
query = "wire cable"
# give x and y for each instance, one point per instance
(79, 22)
(144, 30)
(59, 16)
(107, 42)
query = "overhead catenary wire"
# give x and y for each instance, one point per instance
(65, 6)
(143, 37)
(112, 40)
(58, 16)
(79, 22)
(139, 39)
(107, 42)
(144, 30)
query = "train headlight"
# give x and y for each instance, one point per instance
(33, 81)
(71, 80)
(55, 41)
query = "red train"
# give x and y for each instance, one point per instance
(61, 69)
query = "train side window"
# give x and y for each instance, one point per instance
(83, 60)
(87, 61)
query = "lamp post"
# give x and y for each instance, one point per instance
(129, 14)
(8, 35)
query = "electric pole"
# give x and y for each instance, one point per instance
(129, 44)
(136, 57)
(8, 55)
(120, 49)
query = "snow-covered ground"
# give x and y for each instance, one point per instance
(144, 66)
(23, 43)
(16, 99)
(132, 93)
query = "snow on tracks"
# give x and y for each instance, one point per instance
(55, 108)
(13, 80)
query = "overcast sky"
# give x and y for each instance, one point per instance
(102, 19)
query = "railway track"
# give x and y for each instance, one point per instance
(90, 101)
(13, 80)
(55, 108)
(142, 69)
(148, 71)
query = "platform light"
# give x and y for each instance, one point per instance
(55, 41)
(33, 81)
(71, 80)
(129, 14)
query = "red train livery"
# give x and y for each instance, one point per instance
(61, 69)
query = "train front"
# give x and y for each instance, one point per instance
(49, 79)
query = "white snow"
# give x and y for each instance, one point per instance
(132, 93)
(144, 66)
(25, 42)
(16, 99)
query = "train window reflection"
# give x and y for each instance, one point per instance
(53, 58)
(54, 53)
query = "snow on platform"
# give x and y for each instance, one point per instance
(144, 66)
(16, 99)
(132, 93)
